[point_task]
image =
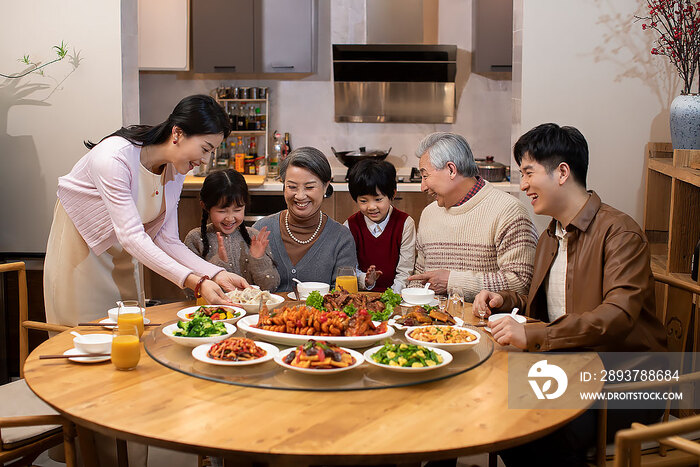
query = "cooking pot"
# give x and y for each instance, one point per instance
(490, 170)
(349, 158)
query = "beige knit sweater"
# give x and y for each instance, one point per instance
(486, 243)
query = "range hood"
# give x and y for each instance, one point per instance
(399, 83)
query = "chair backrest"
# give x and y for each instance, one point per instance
(24, 323)
(628, 442)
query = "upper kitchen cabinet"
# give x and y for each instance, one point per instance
(493, 36)
(222, 36)
(247, 36)
(164, 34)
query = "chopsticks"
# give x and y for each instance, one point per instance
(46, 357)
(113, 324)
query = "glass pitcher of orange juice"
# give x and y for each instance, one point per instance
(130, 313)
(126, 349)
(346, 279)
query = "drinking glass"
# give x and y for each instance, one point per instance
(126, 350)
(482, 315)
(346, 279)
(130, 313)
(442, 302)
(457, 305)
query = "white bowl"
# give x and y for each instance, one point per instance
(417, 295)
(274, 302)
(305, 288)
(452, 347)
(195, 341)
(93, 343)
(493, 318)
(113, 313)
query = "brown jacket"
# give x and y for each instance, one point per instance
(610, 303)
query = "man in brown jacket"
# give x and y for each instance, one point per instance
(592, 286)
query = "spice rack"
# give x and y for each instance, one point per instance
(262, 136)
(672, 210)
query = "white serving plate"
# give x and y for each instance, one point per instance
(274, 302)
(433, 302)
(246, 324)
(456, 347)
(359, 359)
(195, 341)
(446, 359)
(200, 353)
(84, 359)
(182, 314)
(392, 321)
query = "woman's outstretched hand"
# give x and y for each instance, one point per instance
(212, 293)
(258, 244)
(230, 281)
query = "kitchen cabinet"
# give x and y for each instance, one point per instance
(493, 36)
(222, 36)
(164, 34)
(247, 36)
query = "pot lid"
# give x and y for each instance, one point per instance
(489, 163)
(363, 152)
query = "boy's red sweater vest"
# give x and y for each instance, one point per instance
(382, 251)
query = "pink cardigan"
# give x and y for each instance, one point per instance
(99, 196)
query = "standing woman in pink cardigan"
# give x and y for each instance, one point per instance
(118, 207)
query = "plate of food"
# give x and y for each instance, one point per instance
(319, 358)
(197, 331)
(452, 338)
(408, 358)
(249, 299)
(294, 325)
(235, 351)
(227, 314)
(420, 315)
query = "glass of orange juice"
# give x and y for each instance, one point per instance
(346, 279)
(126, 349)
(130, 313)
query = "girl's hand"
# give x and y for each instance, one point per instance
(230, 281)
(213, 294)
(371, 276)
(222, 249)
(258, 244)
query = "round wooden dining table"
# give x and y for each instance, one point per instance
(461, 415)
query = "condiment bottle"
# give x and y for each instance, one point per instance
(250, 157)
(240, 155)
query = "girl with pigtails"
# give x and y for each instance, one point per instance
(224, 240)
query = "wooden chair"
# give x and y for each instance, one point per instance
(678, 319)
(28, 426)
(628, 442)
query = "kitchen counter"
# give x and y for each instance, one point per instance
(256, 183)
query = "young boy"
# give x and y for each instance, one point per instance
(385, 237)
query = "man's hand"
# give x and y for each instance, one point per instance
(371, 276)
(486, 301)
(508, 331)
(438, 279)
(259, 243)
(222, 249)
(230, 281)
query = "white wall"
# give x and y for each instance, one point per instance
(44, 120)
(587, 64)
(304, 107)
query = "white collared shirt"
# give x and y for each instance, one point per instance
(377, 229)
(555, 285)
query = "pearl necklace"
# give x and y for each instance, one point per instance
(303, 242)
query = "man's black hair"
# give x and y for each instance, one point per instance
(550, 145)
(370, 176)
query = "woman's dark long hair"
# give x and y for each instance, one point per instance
(194, 115)
(222, 189)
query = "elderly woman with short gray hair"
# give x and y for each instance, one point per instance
(306, 244)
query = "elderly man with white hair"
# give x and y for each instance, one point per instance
(474, 236)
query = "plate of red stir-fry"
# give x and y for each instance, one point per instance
(235, 351)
